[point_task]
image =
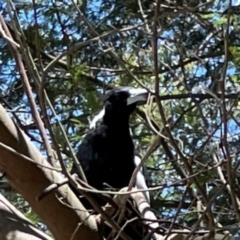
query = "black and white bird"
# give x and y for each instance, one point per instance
(141, 182)
(107, 153)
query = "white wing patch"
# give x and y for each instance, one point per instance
(140, 179)
(97, 118)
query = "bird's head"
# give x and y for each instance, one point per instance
(124, 99)
(119, 103)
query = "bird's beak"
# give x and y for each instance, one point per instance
(137, 95)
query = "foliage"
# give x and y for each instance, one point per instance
(109, 43)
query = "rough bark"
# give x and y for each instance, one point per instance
(60, 210)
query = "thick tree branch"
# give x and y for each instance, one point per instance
(60, 210)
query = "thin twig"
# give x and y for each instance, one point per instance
(25, 80)
(2, 145)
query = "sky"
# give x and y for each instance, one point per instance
(233, 129)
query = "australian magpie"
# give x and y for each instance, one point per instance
(106, 153)
(141, 178)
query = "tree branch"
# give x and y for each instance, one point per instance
(14, 225)
(63, 216)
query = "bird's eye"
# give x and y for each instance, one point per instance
(118, 97)
(123, 96)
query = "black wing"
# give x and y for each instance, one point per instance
(106, 158)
